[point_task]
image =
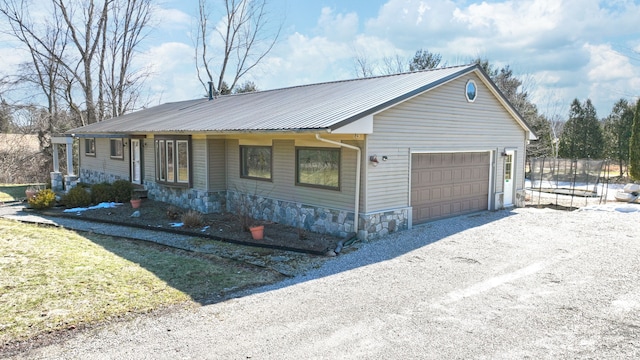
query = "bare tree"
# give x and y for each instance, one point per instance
(245, 38)
(126, 30)
(394, 64)
(363, 66)
(85, 47)
(86, 32)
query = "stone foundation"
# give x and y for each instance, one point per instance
(311, 218)
(318, 219)
(70, 181)
(202, 201)
(57, 182)
(315, 219)
(520, 198)
(376, 225)
(96, 177)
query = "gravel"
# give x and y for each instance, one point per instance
(525, 283)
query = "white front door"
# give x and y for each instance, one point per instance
(508, 177)
(135, 162)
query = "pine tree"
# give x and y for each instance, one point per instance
(634, 145)
(617, 131)
(582, 135)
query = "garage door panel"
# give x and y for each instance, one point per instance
(448, 184)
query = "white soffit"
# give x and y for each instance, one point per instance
(361, 126)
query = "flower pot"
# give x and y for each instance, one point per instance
(30, 193)
(257, 232)
(135, 203)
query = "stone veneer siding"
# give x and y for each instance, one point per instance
(95, 177)
(317, 219)
(376, 225)
(311, 218)
(199, 200)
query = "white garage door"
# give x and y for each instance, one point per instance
(448, 184)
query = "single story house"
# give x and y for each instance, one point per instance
(372, 156)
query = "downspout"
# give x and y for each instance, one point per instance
(356, 215)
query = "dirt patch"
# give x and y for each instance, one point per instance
(552, 206)
(221, 226)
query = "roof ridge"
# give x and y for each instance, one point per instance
(350, 80)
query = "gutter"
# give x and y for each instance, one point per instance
(356, 215)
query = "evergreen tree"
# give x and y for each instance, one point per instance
(634, 145)
(582, 134)
(424, 60)
(511, 88)
(617, 131)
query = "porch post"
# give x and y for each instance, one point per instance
(70, 180)
(70, 156)
(56, 160)
(57, 183)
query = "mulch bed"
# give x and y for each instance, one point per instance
(157, 215)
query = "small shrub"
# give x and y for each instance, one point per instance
(77, 197)
(84, 185)
(102, 192)
(173, 213)
(122, 190)
(191, 219)
(44, 199)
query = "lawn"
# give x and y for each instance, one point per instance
(54, 279)
(12, 192)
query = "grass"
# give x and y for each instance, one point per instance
(55, 279)
(12, 192)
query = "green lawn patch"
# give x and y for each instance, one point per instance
(13, 192)
(54, 279)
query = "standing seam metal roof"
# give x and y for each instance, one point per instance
(308, 107)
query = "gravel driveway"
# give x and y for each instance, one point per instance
(527, 283)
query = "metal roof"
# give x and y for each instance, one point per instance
(310, 107)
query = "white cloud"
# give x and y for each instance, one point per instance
(302, 60)
(172, 72)
(171, 18)
(407, 22)
(606, 64)
(337, 26)
(564, 45)
(611, 75)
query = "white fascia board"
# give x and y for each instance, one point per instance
(361, 126)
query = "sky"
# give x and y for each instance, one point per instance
(561, 49)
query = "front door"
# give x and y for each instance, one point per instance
(508, 177)
(136, 176)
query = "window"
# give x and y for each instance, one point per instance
(318, 167)
(90, 147)
(117, 151)
(507, 167)
(169, 158)
(471, 91)
(172, 160)
(183, 161)
(255, 162)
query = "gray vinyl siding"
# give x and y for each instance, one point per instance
(440, 120)
(103, 162)
(149, 162)
(216, 164)
(282, 185)
(199, 163)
